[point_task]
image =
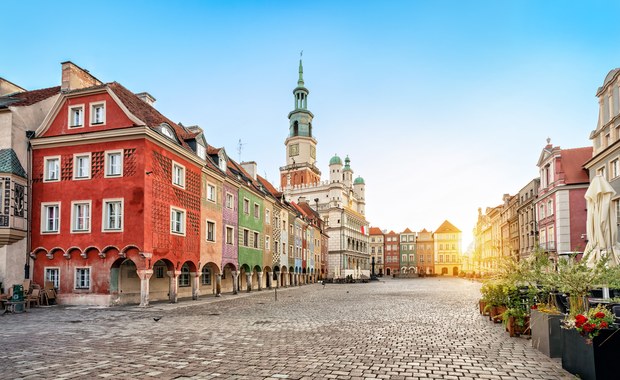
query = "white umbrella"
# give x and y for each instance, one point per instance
(601, 225)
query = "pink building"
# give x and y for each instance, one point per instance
(561, 206)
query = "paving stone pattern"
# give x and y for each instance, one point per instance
(393, 329)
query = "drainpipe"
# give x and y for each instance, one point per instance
(29, 135)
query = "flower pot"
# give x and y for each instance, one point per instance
(515, 330)
(482, 305)
(546, 333)
(595, 361)
(496, 313)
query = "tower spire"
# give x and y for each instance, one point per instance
(300, 82)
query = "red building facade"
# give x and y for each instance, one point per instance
(392, 253)
(117, 198)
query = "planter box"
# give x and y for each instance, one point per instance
(546, 333)
(515, 330)
(595, 361)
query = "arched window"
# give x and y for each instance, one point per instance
(310, 129)
(206, 276)
(296, 128)
(184, 276)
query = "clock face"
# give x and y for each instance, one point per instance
(312, 152)
(293, 150)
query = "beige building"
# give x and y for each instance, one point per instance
(526, 212)
(377, 243)
(447, 248)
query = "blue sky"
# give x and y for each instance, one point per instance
(442, 106)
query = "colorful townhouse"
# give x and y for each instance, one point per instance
(425, 254)
(392, 253)
(561, 205)
(21, 112)
(407, 248)
(377, 243)
(117, 189)
(447, 249)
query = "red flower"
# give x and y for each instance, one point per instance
(534, 307)
(580, 320)
(604, 325)
(599, 315)
(589, 327)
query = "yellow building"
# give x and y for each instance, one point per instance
(447, 244)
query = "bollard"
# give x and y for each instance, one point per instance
(275, 292)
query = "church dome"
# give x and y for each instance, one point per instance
(347, 167)
(358, 181)
(335, 160)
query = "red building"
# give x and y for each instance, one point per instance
(561, 206)
(392, 253)
(116, 197)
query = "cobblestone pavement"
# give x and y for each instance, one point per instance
(393, 329)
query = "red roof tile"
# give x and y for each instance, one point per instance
(28, 98)
(375, 231)
(572, 164)
(269, 187)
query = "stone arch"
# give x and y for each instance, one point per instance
(91, 249)
(129, 250)
(38, 250)
(74, 250)
(109, 249)
(54, 250)
(227, 277)
(124, 281)
(455, 271)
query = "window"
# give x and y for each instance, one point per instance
(256, 210)
(81, 166)
(97, 113)
(159, 269)
(205, 277)
(542, 212)
(210, 231)
(184, 276)
(267, 216)
(230, 200)
(615, 168)
(52, 169)
(202, 152)
(229, 235)
(178, 174)
(441, 258)
(267, 243)
(114, 163)
(53, 275)
(113, 214)
(211, 192)
(80, 216)
(411, 258)
(177, 221)
(372, 249)
(602, 172)
(82, 278)
(246, 206)
(50, 220)
(256, 245)
(76, 116)
(246, 238)
(404, 258)
(550, 207)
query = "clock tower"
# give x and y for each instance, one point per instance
(300, 144)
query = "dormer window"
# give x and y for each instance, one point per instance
(97, 113)
(201, 151)
(76, 116)
(222, 164)
(166, 131)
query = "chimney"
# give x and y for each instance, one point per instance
(251, 168)
(8, 88)
(147, 98)
(74, 77)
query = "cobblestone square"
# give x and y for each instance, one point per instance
(393, 329)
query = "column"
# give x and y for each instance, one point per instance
(174, 285)
(218, 285)
(260, 280)
(145, 276)
(195, 278)
(248, 280)
(269, 280)
(235, 274)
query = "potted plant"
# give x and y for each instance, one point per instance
(517, 321)
(591, 347)
(496, 299)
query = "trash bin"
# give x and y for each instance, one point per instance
(18, 296)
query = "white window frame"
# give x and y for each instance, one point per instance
(44, 229)
(75, 278)
(267, 243)
(201, 151)
(91, 117)
(229, 197)
(183, 220)
(256, 210)
(185, 277)
(70, 116)
(105, 225)
(232, 235)
(614, 167)
(106, 160)
(211, 195)
(246, 202)
(76, 158)
(267, 216)
(181, 181)
(214, 239)
(205, 278)
(55, 281)
(46, 177)
(73, 216)
(245, 237)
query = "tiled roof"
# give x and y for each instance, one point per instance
(446, 227)
(309, 211)
(572, 164)
(28, 98)
(9, 163)
(375, 231)
(211, 150)
(147, 113)
(407, 231)
(269, 187)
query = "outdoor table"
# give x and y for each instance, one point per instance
(9, 306)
